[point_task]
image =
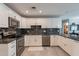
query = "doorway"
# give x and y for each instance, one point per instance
(65, 26)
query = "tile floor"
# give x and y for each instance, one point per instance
(44, 51)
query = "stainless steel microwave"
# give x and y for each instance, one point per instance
(12, 22)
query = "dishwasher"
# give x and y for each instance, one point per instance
(46, 41)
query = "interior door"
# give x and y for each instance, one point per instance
(46, 41)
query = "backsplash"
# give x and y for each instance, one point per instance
(42, 31)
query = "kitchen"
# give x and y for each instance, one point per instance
(38, 29)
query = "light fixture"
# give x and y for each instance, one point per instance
(33, 7)
(27, 11)
(40, 11)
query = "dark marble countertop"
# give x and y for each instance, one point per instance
(70, 37)
(6, 40)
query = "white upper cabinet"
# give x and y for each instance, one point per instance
(54, 23)
(33, 21)
(44, 22)
(23, 23)
(6, 12)
(3, 16)
(27, 22)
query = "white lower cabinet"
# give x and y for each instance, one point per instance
(38, 40)
(33, 40)
(53, 40)
(12, 48)
(65, 44)
(8, 49)
(69, 45)
(27, 41)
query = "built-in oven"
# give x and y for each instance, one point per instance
(19, 45)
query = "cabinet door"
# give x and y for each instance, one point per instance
(26, 40)
(70, 46)
(57, 40)
(65, 44)
(3, 16)
(32, 40)
(23, 23)
(61, 41)
(38, 40)
(27, 23)
(12, 48)
(53, 40)
(43, 22)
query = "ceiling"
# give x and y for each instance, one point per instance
(47, 9)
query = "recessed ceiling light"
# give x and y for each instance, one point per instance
(40, 11)
(27, 11)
